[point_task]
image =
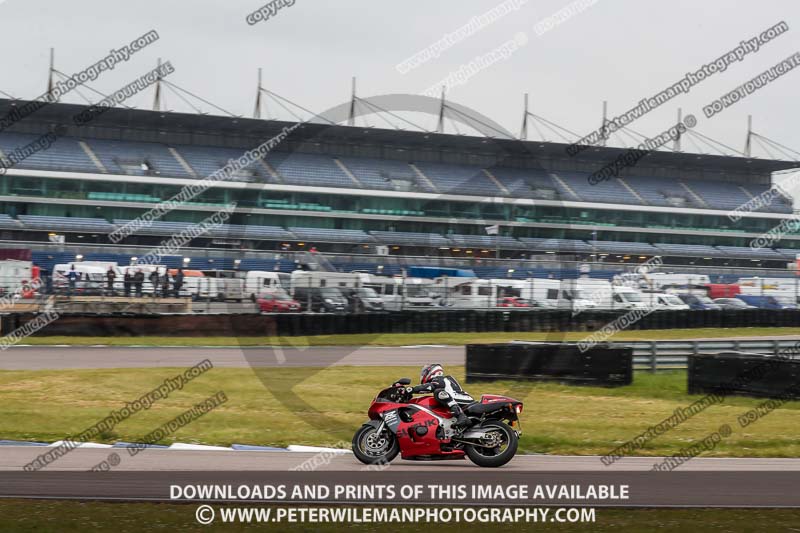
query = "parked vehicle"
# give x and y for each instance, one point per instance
(722, 290)
(732, 303)
(564, 294)
(626, 298)
(763, 302)
(277, 302)
(258, 282)
(473, 293)
(661, 300)
(363, 300)
(13, 273)
(513, 301)
(784, 290)
(699, 302)
(422, 429)
(399, 293)
(321, 299)
(220, 289)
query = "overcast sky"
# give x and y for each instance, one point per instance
(615, 50)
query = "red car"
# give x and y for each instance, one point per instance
(277, 303)
(512, 301)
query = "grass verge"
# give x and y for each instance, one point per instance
(266, 407)
(400, 339)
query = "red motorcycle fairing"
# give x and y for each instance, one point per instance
(417, 427)
(491, 398)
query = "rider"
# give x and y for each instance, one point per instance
(445, 389)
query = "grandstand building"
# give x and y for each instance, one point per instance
(355, 190)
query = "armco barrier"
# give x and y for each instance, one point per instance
(605, 365)
(744, 374)
(434, 321)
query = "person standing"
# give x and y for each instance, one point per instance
(165, 284)
(127, 280)
(154, 280)
(72, 278)
(138, 281)
(178, 282)
(110, 277)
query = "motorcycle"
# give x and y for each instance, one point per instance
(421, 429)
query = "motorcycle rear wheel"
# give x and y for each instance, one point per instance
(371, 448)
(498, 456)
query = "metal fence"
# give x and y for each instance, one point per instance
(657, 356)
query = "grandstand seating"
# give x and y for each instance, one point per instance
(692, 250)
(395, 238)
(609, 191)
(565, 246)
(158, 227)
(719, 195)
(616, 247)
(64, 155)
(378, 173)
(127, 158)
(354, 236)
(230, 231)
(530, 183)
(777, 204)
(459, 179)
(750, 253)
(655, 191)
(205, 160)
(410, 238)
(486, 241)
(6, 222)
(309, 169)
(72, 224)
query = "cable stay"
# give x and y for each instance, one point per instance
(793, 154)
(713, 143)
(87, 86)
(392, 114)
(278, 97)
(179, 88)
(556, 126)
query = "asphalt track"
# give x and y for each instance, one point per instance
(153, 474)
(158, 460)
(64, 358)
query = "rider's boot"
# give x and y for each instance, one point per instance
(461, 418)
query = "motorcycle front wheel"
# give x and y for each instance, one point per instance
(372, 448)
(496, 451)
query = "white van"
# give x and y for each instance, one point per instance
(627, 298)
(573, 294)
(12, 273)
(218, 289)
(257, 282)
(669, 302)
(399, 293)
